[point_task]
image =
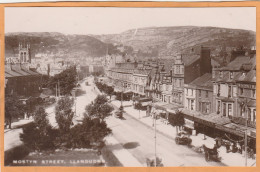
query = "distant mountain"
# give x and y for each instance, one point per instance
(55, 43)
(148, 42)
(169, 40)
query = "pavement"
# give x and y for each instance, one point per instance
(228, 159)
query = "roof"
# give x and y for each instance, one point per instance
(249, 77)
(212, 118)
(239, 62)
(18, 71)
(188, 59)
(203, 81)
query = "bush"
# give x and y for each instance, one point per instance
(89, 134)
(16, 153)
(37, 139)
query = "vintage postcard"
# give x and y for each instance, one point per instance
(129, 86)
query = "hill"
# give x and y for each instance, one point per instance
(56, 43)
(168, 40)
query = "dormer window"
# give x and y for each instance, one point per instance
(231, 75)
(221, 74)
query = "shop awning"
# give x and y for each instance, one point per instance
(205, 119)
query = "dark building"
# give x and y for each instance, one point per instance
(197, 65)
(21, 82)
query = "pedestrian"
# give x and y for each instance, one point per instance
(227, 146)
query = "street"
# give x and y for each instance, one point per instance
(138, 139)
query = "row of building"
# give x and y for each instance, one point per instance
(205, 90)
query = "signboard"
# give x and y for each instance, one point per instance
(189, 123)
(249, 86)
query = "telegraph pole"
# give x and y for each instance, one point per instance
(246, 138)
(155, 163)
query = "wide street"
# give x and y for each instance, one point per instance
(138, 139)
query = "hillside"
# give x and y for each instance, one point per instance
(169, 40)
(56, 43)
(147, 42)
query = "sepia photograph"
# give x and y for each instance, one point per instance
(130, 87)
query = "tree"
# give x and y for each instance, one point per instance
(39, 135)
(14, 108)
(66, 80)
(31, 105)
(90, 133)
(99, 108)
(109, 91)
(139, 106)
(64, 114)
(177, 120)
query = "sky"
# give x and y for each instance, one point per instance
(110, 20)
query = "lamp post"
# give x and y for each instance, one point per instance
(155, 163)
(246, 118)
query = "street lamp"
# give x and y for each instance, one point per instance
(246, 116)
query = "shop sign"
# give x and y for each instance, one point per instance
(189, 123)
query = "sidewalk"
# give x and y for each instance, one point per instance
(125, 157)
(18, 124)
(229, 159)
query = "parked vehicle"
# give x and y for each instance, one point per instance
(183, 139)
(211, 154)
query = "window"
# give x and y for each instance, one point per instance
(229, 109)
(229, 91)
(241, 91)
(234, 91)
(178, 69)
(213, 74)
(254, 115)
(249, 114)
(192, 92)
(221, 74)
(186, 91)
(253, 93)
(218, 107)
(192, 105)
(199, 93)
(231, 75)
(218, 88)
(207, 107)
(224, 109)
(207, 94)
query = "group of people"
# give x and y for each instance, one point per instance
(235, 147)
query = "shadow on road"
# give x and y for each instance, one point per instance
(114, 147)
(131, 145)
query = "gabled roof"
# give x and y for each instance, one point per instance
(249, 77)
(240, 62)
(188, 59)
(17, 71)
(205, 81)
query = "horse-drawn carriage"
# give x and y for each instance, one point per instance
(211, 154)
(183, 139)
